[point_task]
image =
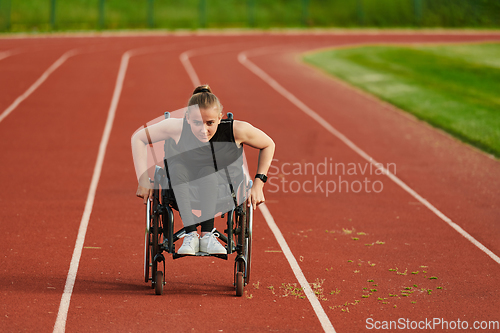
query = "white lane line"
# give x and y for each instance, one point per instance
(184, 57)
(37, 83)
(62, 315)
(243, 59)
(316, 305)
(320, 312)
(6, 54)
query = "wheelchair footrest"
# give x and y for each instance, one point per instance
(200, 254)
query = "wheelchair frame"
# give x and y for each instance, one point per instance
(160, 236)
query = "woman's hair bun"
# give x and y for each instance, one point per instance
(201, 89)
(204, 98)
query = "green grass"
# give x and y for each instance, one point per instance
(455, 88)
(35, 15)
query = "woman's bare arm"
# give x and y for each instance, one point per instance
(168, 128)
(244, 133)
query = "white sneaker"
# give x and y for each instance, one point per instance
(190, 244)
(211, 245)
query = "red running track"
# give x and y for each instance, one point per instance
(49, 146)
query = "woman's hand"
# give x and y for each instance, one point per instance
(256, 194)
(145, 193)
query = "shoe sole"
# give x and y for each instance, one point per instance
(225, 252)
(187, 254)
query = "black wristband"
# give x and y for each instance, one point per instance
(261, 177)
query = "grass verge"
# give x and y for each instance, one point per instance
(68, 15)
(454, 87)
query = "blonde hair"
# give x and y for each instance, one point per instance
(204, 98)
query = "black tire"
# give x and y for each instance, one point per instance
(158, 283)
(246, 225)
(147, 243)
(242, 225)
(247, 248)
(239, 284)
(155, 246)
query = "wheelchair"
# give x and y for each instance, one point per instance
(160, 236)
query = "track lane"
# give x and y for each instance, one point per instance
(37, 83)
(243, 59)
(21, 70)
(46, 147)
(476, 213)
(304, 284)
(293, 70)
(75, 259)
(207, 290)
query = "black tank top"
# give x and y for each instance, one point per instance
(191, 152)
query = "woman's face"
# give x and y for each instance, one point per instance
(204, 122)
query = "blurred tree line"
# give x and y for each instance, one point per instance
(46, 15)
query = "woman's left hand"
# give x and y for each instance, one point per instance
(256, 194)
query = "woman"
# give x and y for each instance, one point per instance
(202, 128)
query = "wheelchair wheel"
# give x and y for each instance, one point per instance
(239, 278)
(159, 283)
(147, 243)
(246, 237)
(248, 243)
(241, 273)
(155, 240)
(239, 283)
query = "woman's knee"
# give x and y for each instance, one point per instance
(208, 175)
(178, 174)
